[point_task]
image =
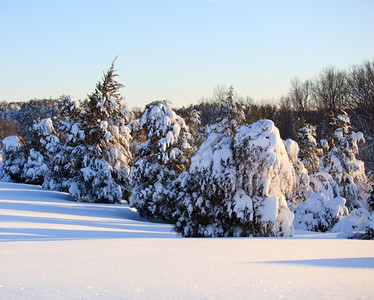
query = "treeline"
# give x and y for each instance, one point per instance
(313, 101)
(213, 169)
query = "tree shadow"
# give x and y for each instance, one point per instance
(30, 213)
(354, 262)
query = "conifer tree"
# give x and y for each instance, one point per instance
(238, 185)
(107, 158)
(66, 175)
(309, 153)
(194, 124)
(341, 162)
(340, 186)
(302, 181)
(13, 159)
(46, 145)
(35, 170)
(371, 199)
(159, 160)
(231, 116)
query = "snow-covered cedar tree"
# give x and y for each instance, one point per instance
(231, 116)
(320, 213)
(41, 161)
(341, 163)
(302, 181)
(371, 199)
(341, 186)
(35, 169)
(323, 207)
(160, 159)
(13, 159)
(66, 175)
(194, 124)
(309, 153)
(238, 185)
(107, 158)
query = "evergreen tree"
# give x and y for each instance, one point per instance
(13, 159)
(302, 181)
(35, 169)
(309, 153)
(238, 185)
(160, 159)
(341, 186)
(66, 175)
(193, 122)
(231, 116)
(341, 162)
(319, 212)
(371, 199)
(107, 157)
(45, 147)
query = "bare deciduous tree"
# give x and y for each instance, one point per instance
(299, 95)
(331, 90)
(361, 101)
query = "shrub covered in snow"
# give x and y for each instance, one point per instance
(302, 181)
(65, 175)
(339, 191)
(341, 163)
(14, 157)
(320, 213)
(238, 186)
(42, 157)
(34, 170)
(160, 159)
(231, 115)
(309, 153)
(371, 199)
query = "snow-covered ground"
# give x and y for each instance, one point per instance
(53, 248)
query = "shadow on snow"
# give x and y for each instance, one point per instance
(30, 213)
(354, 262)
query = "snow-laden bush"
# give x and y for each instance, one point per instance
(42, 157)
(65, 172)
(320, 213)
(160, 159)
(341, 163)
(302, 180)
(309, 153)
(14, 158)
(34, 170)
(238, 186)
(339, 191)
(323, 207)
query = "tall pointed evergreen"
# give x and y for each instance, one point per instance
(107, 159)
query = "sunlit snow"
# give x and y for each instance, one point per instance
(54, 248)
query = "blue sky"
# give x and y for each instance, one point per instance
(177, 50)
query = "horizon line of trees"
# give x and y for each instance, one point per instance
(213, 169)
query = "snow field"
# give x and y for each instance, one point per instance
(53, 248)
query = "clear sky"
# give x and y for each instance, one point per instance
(177, 50)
